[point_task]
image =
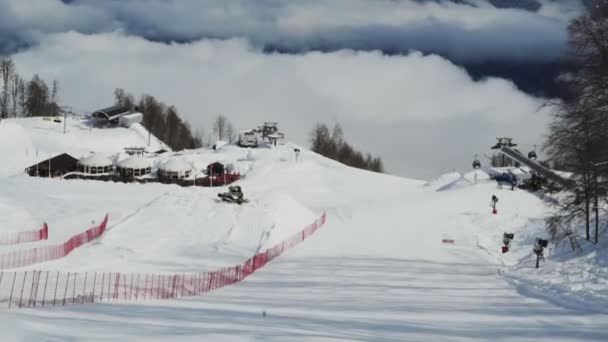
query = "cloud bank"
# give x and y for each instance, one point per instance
(465, 31)
(422, 114)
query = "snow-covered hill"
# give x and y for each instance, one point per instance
(378, 270)
(24, 142)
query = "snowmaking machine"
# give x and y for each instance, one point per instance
(234, 195)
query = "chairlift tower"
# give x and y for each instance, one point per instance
(503, 142)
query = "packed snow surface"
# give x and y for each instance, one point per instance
(378, 270)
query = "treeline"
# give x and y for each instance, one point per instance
(161, 120)
(578, 131)
(21, 98)
(331, 144)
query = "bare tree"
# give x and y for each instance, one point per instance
(220, 126)
(22, 99)
(124, 99)
(7, 70)
(230, 133)
(199, 138)
(14, 91)
(578, 132)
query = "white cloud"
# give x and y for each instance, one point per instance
(421, 113)
(461, 31)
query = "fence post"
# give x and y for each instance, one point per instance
(174, 289)
(74, 288)
(94, 286)
(10, 301)
(183, 284)
(137, 287)
(198, 284)
(103, 283)
(192, 291)
(109, 285)
(146, 286)
(56, 284)
(166, 279)
(32, 293)
(117, 288)
(84, 287)
(131, 287)
(37, 286)
(22, 287)
(65, 293)
(45, 283)
(116, 275)
(161, 284)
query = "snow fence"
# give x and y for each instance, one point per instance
(32, 289)
(26, 257)
(23, 237)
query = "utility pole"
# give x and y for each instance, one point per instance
(65, 110)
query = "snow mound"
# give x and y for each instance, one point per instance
(16, 148)
(14, 218)
(449, 181)
(475, 176)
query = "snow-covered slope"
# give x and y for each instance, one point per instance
(379, 270)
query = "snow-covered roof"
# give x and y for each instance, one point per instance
(134, 163)
(95, 160)
(176, 165)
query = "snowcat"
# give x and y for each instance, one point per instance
(234, 195)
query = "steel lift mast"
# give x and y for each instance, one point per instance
(505, 145)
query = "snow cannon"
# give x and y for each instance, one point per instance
(476, 164)
(539, 247)
(234, 195)
(493, 204)
(506, 240)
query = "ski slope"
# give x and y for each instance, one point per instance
(377, 271)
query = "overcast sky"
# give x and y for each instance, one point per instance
(421, 113)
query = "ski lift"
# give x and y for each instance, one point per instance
(476, 163)
(532, 155)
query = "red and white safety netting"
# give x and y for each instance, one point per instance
(51, 288)
(30, 256)
(15, 238)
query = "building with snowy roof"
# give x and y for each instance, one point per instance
(174, 170)
(95, 164)
(133, 167)
(54, 167)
